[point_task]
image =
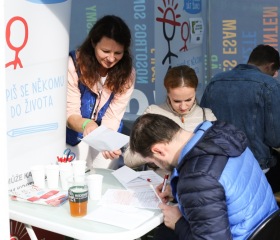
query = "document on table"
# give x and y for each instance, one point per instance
(125, 174)
(131, 207)
(106, 139)
(143, 182)
(124, 217)
(137, 181)
(122, 197)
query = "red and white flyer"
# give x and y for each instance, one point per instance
(34, 194)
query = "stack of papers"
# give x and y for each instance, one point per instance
(139, 192)
(128, 208)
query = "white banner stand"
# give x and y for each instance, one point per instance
(33, 74)
(5, 225)
(36, 47)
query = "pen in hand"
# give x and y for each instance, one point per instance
(152, 187)
(164, 182)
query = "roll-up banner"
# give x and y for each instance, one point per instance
(36, 57)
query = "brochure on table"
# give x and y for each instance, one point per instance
(34, 194)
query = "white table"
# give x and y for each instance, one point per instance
(58, 219)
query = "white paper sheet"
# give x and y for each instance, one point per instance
(143, 182)
(125, 174)
(124, 217)
(128, 208)
(105, 139)
(121, 197)
(137, 181)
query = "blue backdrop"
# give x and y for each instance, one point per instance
(165, 35)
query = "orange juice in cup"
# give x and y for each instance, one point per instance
(78, 199)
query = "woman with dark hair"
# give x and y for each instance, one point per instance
(100, 83)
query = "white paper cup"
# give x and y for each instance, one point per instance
(38, 175)
(65, 171)
(52, 172)
(79, 169)
(94, 182)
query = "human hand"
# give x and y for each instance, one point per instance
(165, 196)
(171, 214)
(112, 154)
(92, 125)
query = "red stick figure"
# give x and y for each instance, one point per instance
(17, 60)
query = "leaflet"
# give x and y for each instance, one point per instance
(34, 194)
(106, 139)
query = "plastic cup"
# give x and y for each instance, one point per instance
(94, 182)
(65, 172)
(79, 169)
(52, 172)
(78, 197)
(38, 175)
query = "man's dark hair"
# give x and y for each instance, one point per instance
(150, 129)
(264, 54)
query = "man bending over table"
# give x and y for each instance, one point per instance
(221, 191)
